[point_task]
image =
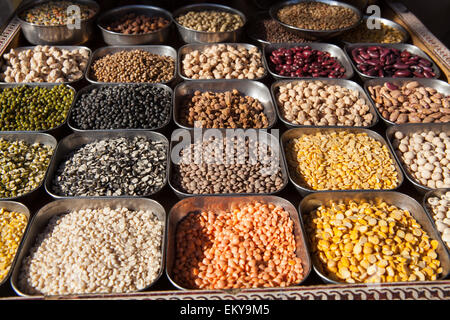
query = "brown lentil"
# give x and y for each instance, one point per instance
(137, 24)
(133, 66)
(271, 31)
(410, 103)
(250, 246)
(229, 109)
(210, 21)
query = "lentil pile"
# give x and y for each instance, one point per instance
(210, 21)
(27, 108)
(223, 61)
(247, 167)
(22, 166)
(44, 64)
(250, 246)
(122, 107)
(133, 66)
(229, 109)
(341, 160)
(410, 102)
(55, 13)
(94, 251)
(320, 104)
(372, 242)
(362, 33)
(271, 31)
(317, 16)
(113, 167)
(426, 156)
(12, 227)
(137, 24)
(305, 62)
(439, 207)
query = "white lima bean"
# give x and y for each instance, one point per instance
(440, 210)
(94, 251)
(426, 156)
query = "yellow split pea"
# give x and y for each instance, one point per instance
(341, 160)
(371, 242)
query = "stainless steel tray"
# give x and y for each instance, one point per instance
(334, 51)
(155, 49)
(188, 48)
(46, 85)
(42, 217)
(30, 138)
(192, 36)
(189, 137)
(88, 88)
(74, 82)
(220, 204)
(313, 201)
(340, 82)
(250, 88)
(20, 208)
(441, 86)
(400, 46)
(411, 128)
(295, 133)
(426, 206)
(78, 139)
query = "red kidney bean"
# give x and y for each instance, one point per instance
(305, 62)
(390, 62)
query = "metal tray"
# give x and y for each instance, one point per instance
(313, 201)
(192, 36)
(334, 51)
(310, 33)
(78, 139)
(250, 88)
(31, 137)
(426, 206)
(46, 85)
(411, 128)
(441, 86)
(340, 82)
(88, 88)
(155, 49)
(188, 48)
(216, 203)
(20, 208)
(295, 133)
(42, 217)
(191, 136)
(400, 46)
(74, 82)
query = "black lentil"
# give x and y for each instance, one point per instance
(122, 107)
(34, 108)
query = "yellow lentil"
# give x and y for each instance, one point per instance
(369, 257)
(12, 227)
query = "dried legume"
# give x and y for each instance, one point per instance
(113, 167)
(271, 31)
(250, 246)
(223, 61)
(133, 66)
(99, 250)
(27, 108)
(439, 207)
(22, 166)
(229, 109)
(372, 241)
(341, 160)
(410, 103)
(12, 227)
(210, 21)
(426, 156)
(122, 107)
(385, 34)
(133, 23)
(321, 104)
